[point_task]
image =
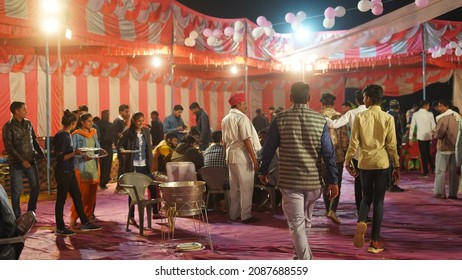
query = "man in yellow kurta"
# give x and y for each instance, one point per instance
(374, 134)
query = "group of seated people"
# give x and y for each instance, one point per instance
(169, 150)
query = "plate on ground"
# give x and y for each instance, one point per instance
(190, 246)
(131, 151)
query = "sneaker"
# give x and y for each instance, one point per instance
(423, 176)
(375, 247)
(395, 188)
(358, 239)
(452, 197)
(250, 220)
(333, 217)
(440, 196)
(90, 227)
(64, 232)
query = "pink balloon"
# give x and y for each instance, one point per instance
(217, 33)
(377, 9)
(376, 1)
(207, 32)
(229, 31)
(261, 20)
(421, 3)
(267, 24)
(329, 13)
(290, 17)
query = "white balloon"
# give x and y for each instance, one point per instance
(340, 11)
(434, 54)
(364, 5)
(328, 23)
(458, 51)
(453, 44)
(193, 34)
(189, 42)
(295, 25)
(269, 31)
(258, 32)
(237, 37)
(212, 41)
(238, 25)
(442, 51)
(301, 16)
(460, 44)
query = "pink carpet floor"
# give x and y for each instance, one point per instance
(416, 226)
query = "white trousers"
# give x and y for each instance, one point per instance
(445, 162)
(298, 208)
(241, 184)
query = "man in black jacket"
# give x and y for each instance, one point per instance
(106, 138)
(202, 125)
(23, 149)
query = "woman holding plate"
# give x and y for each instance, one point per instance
(65, 177)
(85, 139)
(135, 147)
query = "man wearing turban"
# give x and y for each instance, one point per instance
(241, 142)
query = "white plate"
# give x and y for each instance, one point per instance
(86, 149)
(190, 246)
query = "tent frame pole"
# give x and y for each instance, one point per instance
(424, 64)
(48, 109)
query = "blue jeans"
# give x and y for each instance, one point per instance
(17, 174)
(374, 184)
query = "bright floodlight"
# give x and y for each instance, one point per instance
(68, 33)
(50, 6)
(309, 67)
(234, 70)
(297, 66)
(50, 25)
(302, 34)
(156, 62)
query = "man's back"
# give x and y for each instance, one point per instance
(300, 131)
(374, 133)
(425, 123)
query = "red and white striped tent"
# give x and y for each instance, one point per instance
(107, 62)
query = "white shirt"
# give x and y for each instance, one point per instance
(237, 127)
(425, 123)
(348, 117)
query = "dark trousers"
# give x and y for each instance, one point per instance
(106, 166)
(67, 184)
(152, 190)
(331, 205)
(358, 188)
(424, 147)
(374, 184)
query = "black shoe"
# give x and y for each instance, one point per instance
(103, 187)
(452, 197)
(250, 220)
(64, 232)
(395, 188)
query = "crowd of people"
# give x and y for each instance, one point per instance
(309, 150)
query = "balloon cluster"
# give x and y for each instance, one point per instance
(295, 20)
(191, 40)
(439, 51)
(376, 6)
(214, 35)
(264, 27)
(330, 14)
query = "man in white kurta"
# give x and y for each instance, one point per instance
(241, 142)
